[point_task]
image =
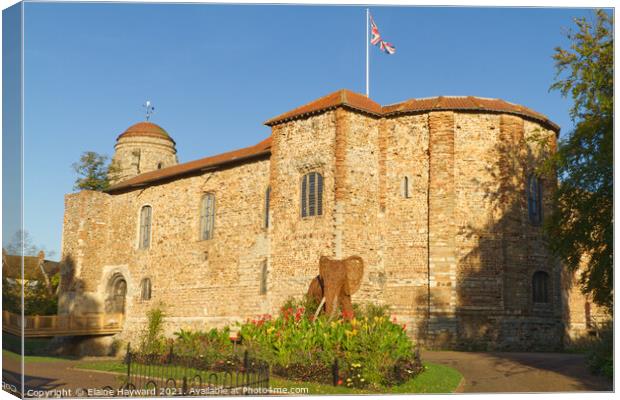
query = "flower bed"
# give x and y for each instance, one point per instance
(370, 349)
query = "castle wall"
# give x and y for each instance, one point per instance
(357, 199)
(199, 283)
(452, 254)
(85, 231)
(583, 317)
(300, 147)
(403, 220)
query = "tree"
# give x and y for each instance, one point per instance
(93, 171)
(40, 297)
(580, 229)
(22, 241)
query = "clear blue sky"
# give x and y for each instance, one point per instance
(215, 73)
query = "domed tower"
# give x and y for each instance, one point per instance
(143, 147)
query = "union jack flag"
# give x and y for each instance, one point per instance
(375, 39)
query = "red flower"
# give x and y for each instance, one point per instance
(340, 381)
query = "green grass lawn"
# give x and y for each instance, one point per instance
(435, 379)
(17, 356)
(32, 346)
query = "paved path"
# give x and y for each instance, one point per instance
(54, 377)
(520, 372)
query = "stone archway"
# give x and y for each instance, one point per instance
(116, 294)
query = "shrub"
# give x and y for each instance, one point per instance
(152, 340)
(600, 354)
(212, 347)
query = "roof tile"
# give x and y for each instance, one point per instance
(259, 149)
(340, 98)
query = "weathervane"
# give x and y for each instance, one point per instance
(150, 109)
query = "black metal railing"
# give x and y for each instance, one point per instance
(175, 375)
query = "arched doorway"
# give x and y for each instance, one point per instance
(117, 292)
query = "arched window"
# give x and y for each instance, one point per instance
(145, 289)
(406, 187)
(540, 287)
(160, 165)
(207, 216)
(534, 197)
(263, 277)
(311, 194)
(267, 200)
(145, 227)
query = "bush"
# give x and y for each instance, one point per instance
(370, 349)
(601, 353)
(213, 347)
(37, 299)
(152, 340)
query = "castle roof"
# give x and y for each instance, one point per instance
(204, 164)
(341, 98)
(466, 103)
(145, 129)
(356, 101)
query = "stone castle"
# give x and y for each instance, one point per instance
(437, 195)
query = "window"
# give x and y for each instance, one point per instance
(406, 187)
(207, 216)
(145, 227)
(160, 165)
(534, 196)
(311, 195)
(263, 278)
(145, 289)
(540, 287)
(267, 200)
(588, 315)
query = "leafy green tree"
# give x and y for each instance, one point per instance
(93, 172)
(580, 230)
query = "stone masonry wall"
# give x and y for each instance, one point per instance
(403, 220)
(357, 200)
(199, 283)
(137, 155)
(452, 254)
(442, 228)
(300, 147)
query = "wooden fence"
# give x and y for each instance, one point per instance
(62, 325)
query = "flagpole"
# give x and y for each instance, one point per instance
(367, 55)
